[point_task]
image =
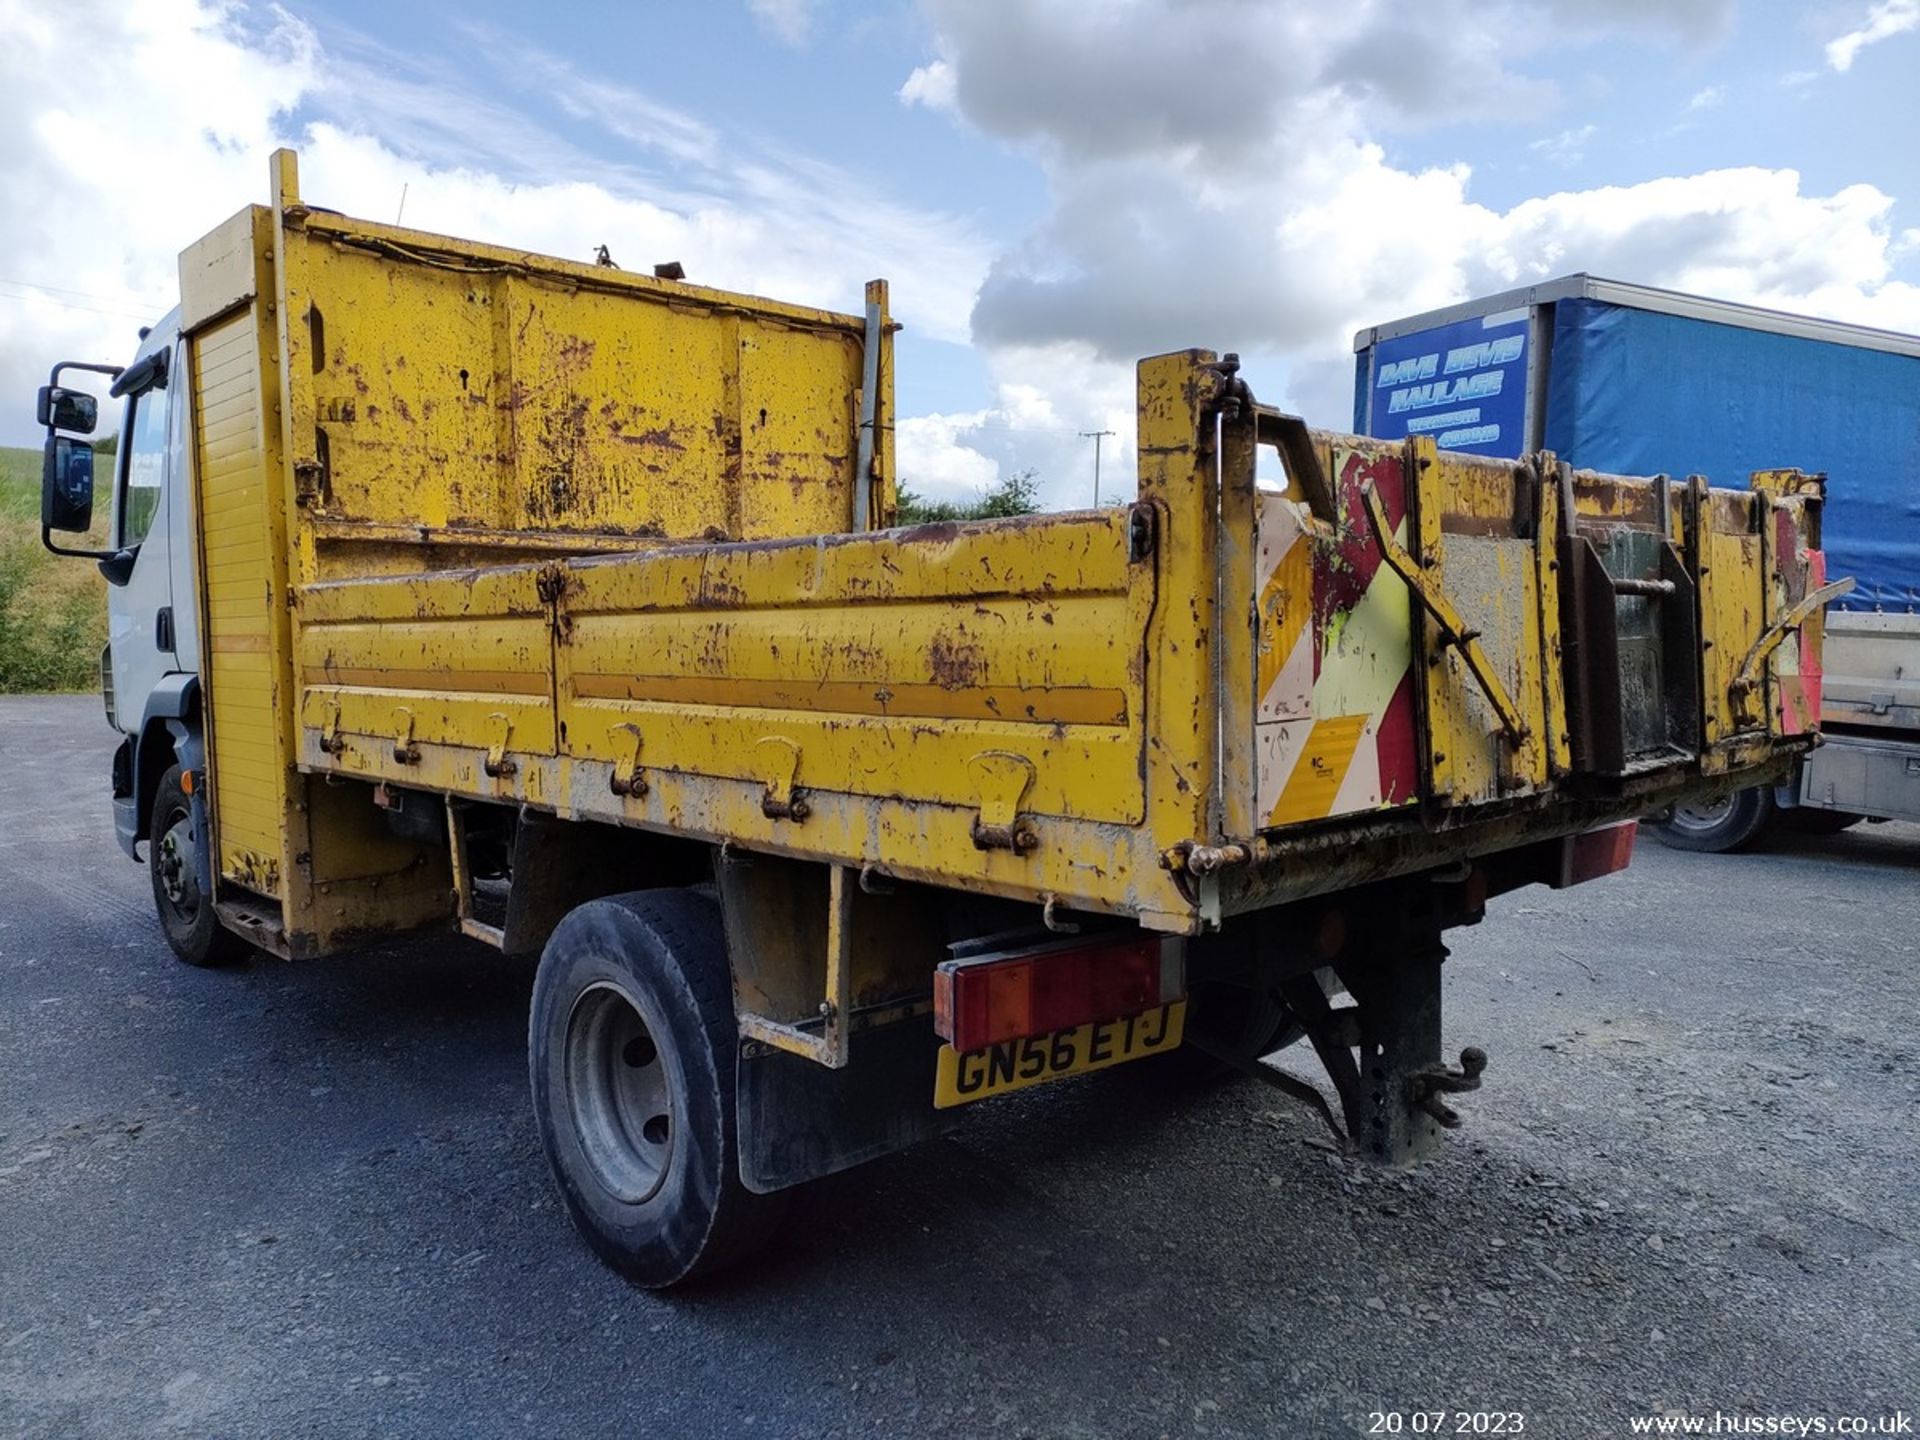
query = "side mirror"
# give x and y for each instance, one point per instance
(63, 409)
(66, 485)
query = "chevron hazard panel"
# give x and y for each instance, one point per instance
(1334, 733)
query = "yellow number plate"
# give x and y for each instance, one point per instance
(1017, 1064)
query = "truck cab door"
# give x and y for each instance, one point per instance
(141, 623)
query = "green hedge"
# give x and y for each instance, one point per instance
(53, 612)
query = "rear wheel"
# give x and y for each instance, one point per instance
(1729, 823)
(632, 1044)
(187, 916)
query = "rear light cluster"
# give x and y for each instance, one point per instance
(987, 999)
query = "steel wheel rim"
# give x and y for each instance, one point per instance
(175, 865)
(1703, 814)
(619, 1094)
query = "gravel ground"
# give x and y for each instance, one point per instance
(307, 1199)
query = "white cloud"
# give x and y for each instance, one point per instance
(1205, 193)
(1708, 98)
(791, 20)
(930, 85)
(933, 450)
(1886, 19)
(104, 190)
(1045, 398)
(116, 162)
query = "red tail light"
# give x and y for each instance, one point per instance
(982, 1000)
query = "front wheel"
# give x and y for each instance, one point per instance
(632, 1044)
(187, 916)
(1716, 826)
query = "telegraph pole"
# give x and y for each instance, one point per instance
(1096, 436)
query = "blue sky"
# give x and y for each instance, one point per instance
(1055, 187)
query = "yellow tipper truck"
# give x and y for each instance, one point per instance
(456, 588)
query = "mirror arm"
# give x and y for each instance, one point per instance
(113, 370)
(46, 539)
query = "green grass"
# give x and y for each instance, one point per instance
(53, 611)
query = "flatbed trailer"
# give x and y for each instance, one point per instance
(563, 607)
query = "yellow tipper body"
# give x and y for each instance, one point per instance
(497, 526)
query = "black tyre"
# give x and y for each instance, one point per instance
(192, 928)
(1716, 826)
(632, 1043)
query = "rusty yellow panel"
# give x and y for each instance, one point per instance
(1471, 554)
(798, 432)
(1558, 739)
(248, 775)
(1620, 500)
(877, 666)
(448, 595)
(1180, 482)
(1732, 607)
(1243, 658)
(456, 658)
(1495, 583)
(888, 667)
(457, 390)
(1013, 661)
(1062, 554)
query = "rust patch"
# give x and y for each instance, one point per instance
(717, 592)
(557, 489)
(938, 530)
(956, 662)
(660, 438)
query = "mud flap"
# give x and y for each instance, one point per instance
(800, 1120)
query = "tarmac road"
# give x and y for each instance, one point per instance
(306, 1199)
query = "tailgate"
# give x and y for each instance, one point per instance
(1446, 629)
